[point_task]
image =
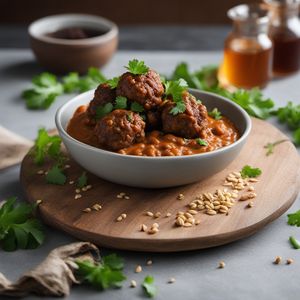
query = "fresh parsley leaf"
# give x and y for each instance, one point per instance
(207, 77)
(121, 102)
(178, 108)
(71, 82)
(270, 146)
(45, 89)
(289, 114)
(175, 90)
(149, 287)
(296, 136)
(137, 67)
(103, 275)
(201, 142)
(18, 228)
(248, 171)
(215, 113)
(114, 261)
(113, 83)
(294, 219)
(136, 107)
(82, 180)
(103, 110)
(56, 176)
(295, 243)
(46, 145)
(91, 80)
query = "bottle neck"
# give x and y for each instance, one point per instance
(282, 14)
(249, 28)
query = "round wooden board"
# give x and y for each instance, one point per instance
(276, 190)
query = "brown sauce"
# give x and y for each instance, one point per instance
(218, 134)
(75, 33)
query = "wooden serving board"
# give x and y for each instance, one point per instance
(276, 190)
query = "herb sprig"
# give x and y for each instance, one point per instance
(175, 89)
(271, 146)
(103, 275)
(294, 219)
(46, 87)
(46, 146)
(137, 67)
(149, 287)
(215, 113)
(18, 228)
(251, 172)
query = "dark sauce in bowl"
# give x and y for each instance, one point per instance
(76, 33)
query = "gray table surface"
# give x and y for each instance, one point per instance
(249, 272)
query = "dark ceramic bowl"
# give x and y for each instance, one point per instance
(61, 55)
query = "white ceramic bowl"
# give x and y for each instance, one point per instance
(155, 172)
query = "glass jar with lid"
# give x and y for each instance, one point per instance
(248, 49)
(285, 33)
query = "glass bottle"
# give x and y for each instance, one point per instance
(285, 33)
(248, 49)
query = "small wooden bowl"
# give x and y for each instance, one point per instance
(65, 55)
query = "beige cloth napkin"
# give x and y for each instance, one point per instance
(13, 148)
(53, 276)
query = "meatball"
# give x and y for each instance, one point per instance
(145, 89)
(120, 129)
(103, 94)
(189, 124)
(153, 120)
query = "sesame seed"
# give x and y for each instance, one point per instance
(126, 197)
(89, 186)
(77, 191)
(40, 172)
(221, 264)
(97, 207)
(119, 219)
(251, 188)
(123, 216)
(133, 283)
(168, 215)
(87, 210)
(77, 196)
(119, 196)
(250, 204)
(153, 230)
(138, 269)
(171, 280)
(157, 215)
(38, 202)
(289, 261)
(180, 197)
(149, 262)
(155, 225)
(149, 213)
(197, 222)
(71, 182)
(277, 260)
(67, 166)
(143, 227)
(84, 189)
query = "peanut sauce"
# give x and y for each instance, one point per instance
(218, 134)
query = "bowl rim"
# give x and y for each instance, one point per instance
(110, 34)
(243, 137)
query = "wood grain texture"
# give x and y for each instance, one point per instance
(276, 191)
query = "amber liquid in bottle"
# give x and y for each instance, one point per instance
(286, 54)
(247, 67)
